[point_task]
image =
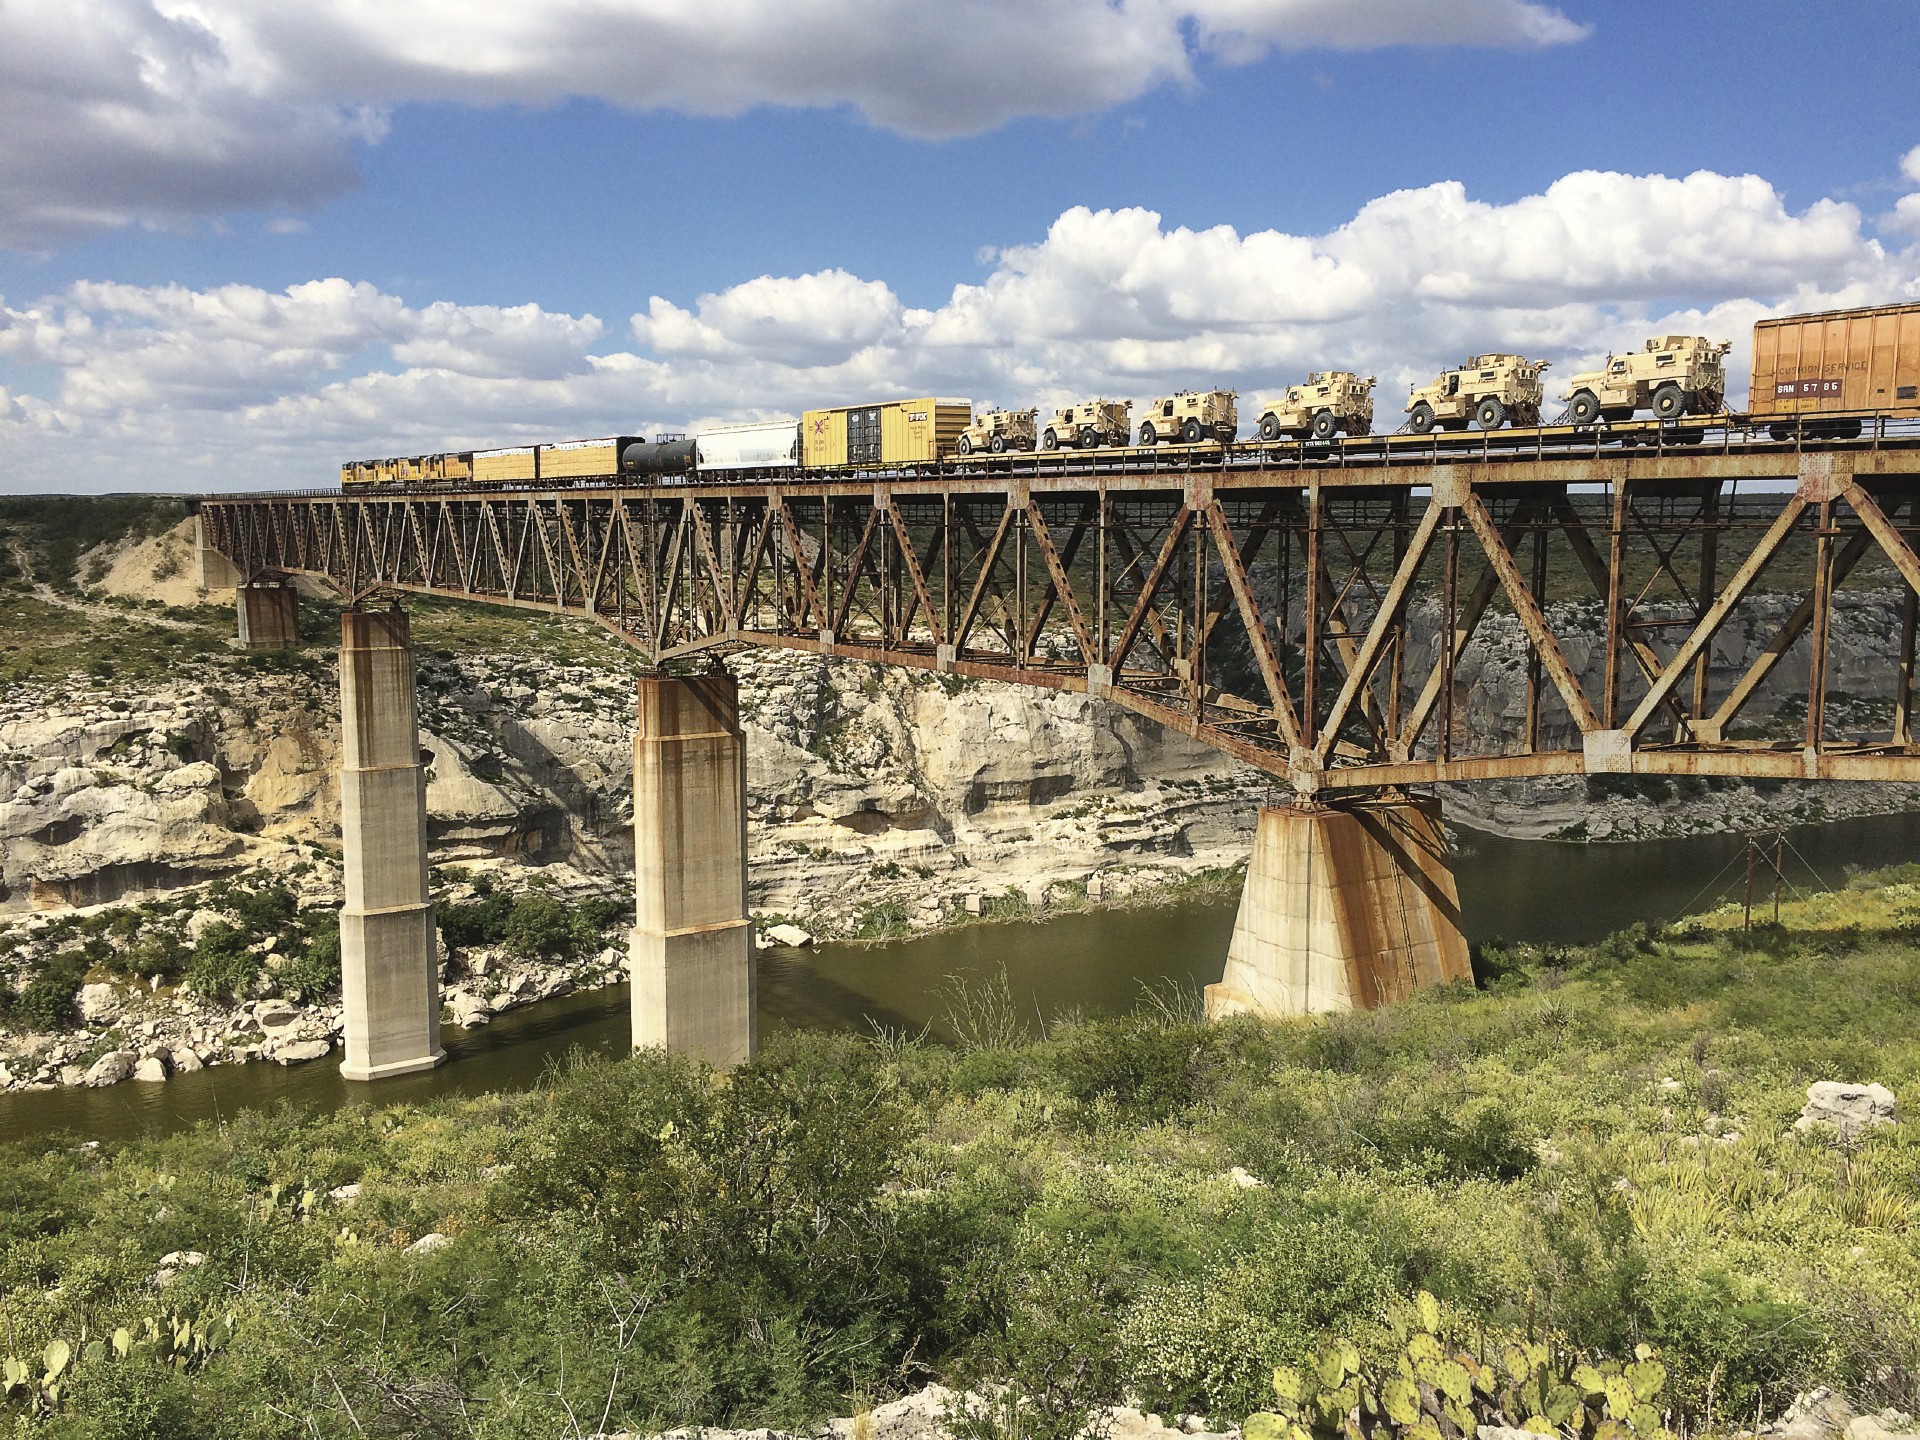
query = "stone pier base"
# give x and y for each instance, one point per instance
(269, 615)
(692, 947)
(390, 984)
(1344, 909)
(215, 571)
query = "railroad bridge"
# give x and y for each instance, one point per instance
(1302, 609)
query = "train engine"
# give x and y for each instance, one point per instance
(1493, 390)
(1674, 375)
(1328, 402)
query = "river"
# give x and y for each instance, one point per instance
(1096, 960)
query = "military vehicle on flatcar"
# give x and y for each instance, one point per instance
(1671, 375)
(1191, 417)
(1326, 403)
(997, 432)
(1492, 390)
(1089, 424)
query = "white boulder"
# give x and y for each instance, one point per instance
(1846, 1109)
(99, 1002)
(111, 1068)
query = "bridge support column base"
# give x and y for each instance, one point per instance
(1343, 909)
(389, 983)
(691, 956)
(215, 571)
(269, 616)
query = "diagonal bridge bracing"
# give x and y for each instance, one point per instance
(1664, 614)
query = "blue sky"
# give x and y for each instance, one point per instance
(159, 312)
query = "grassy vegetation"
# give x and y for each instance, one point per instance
(40, 640)
(1594, 1150)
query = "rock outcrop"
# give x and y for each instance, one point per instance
(1846, 1110)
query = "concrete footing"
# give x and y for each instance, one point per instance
(216, 571)
(1344, 909)
(390, 984)
(269, 615)
(691, 955)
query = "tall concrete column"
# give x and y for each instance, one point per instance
(269, 614)
(1344, 909)
(389, 981)
(692, 950)
(216, 571)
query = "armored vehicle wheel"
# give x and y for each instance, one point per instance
(1190, 432)
(1049, 441)
(1269, 426)
(1669, 402)
(999, 445)
(1490, 413)
(1585, 408)
(1089, 440)
(1324, 425)
(965, 447)
(1420, 418)
(1148, 435)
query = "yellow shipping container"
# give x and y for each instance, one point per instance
(896, 432)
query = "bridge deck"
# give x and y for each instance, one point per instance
(1664, 609)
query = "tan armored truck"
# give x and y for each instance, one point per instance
(1674, 375)
(997, 432)
(1089, 425)
(1330, 401)
(1190, 417)
(1493, 390)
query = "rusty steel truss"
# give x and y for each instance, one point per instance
(1661, 614)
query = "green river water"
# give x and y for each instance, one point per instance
(1095, 960)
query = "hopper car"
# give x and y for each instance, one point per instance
(1832, 375)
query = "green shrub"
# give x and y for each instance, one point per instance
(46, 1001)
(313, 973)
(539, 927)
(223, 965)
(471, 924)
(266, 911)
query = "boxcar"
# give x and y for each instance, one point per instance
(580, 459)
(892, 432)
(1837, 362)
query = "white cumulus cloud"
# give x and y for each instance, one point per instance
(116, 112)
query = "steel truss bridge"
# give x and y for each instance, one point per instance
(1306, 612)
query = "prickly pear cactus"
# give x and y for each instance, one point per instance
(184, 1342)
(1433, 1392)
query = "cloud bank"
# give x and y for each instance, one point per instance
(237, 387)
(119, 112)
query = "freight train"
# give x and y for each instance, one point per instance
(1821, 375)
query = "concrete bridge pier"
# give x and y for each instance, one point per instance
(390, 984)
(214, 570)
(269, 613)
(1345, 908)
(691, 956)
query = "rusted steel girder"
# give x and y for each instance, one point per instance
(1283, 615)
